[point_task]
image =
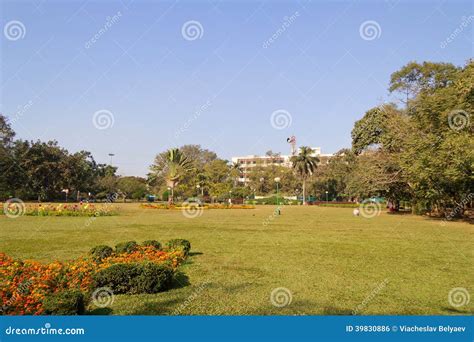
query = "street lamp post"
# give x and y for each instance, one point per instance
(327, 197)
(197, 187)
(111, 155)
(277, 181)
(66, 191)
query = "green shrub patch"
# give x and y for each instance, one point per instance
(66, 302)
(179, 244)
(126, 247)
(153, 243)
(142, 277)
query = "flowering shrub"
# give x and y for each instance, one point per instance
(202, 206)
(27, 285)
(73, 209)
(145, 253)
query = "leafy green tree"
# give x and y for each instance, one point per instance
(220, 182)
(7, 170)
(44, 167)
(413, 78)
(132, 187)
(79, 172)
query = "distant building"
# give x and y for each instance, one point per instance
(246, 163)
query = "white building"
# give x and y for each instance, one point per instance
(246, 163)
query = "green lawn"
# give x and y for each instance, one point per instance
(330, 261)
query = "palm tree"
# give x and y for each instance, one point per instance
(235, 172)
(177, 164)
(305, 163)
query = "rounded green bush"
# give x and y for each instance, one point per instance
(126, 247)
(101, 252)
(153, 243)
(179, 244)
(143, 277)
(67, 302)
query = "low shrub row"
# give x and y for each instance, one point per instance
(273, 200)
(339, 205)
(78, 209)
(183, 206)
(32, 288)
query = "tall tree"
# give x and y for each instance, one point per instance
(304, 164)
(132, 187)
(413, 78)
(7, 165)
(172, 168)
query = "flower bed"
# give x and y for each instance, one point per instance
(201, 206)
(54, 209)
(32, 288)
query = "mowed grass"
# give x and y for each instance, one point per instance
(330, 261)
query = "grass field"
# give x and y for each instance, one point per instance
(330, 261)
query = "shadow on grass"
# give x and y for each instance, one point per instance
(453, 310)
(335, 311)
(190, 259)
(100, 312)
(302, 308)
(399, 213)
(180, 280)
(153, 308)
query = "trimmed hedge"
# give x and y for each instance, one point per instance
(126, 247)
(101, 252)
(67, 302)
(143, 277)
(179, 244)
(153, 243)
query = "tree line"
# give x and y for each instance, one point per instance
(418, 151)
(44, 171)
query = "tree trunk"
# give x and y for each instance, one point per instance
(171, 196)
(304, 191)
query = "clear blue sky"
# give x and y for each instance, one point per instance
(153, 80)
